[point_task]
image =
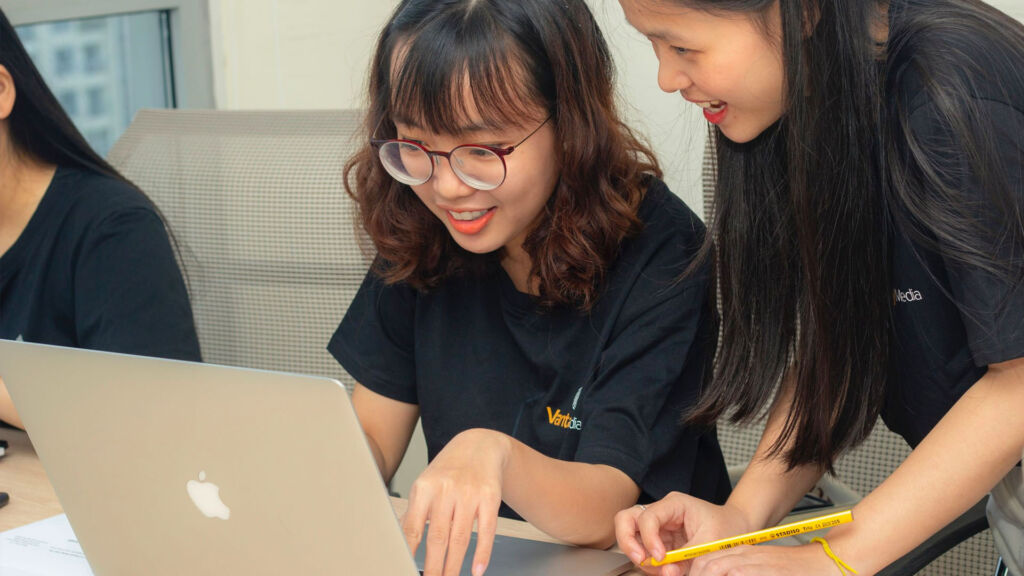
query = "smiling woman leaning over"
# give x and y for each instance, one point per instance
(869, 239)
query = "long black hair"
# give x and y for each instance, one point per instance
(803, 214)
(38, 125)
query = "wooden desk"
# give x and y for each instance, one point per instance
(22, 476)
(32, 497)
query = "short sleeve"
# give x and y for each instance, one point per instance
(129, 293)
(640, 394)
(991, 303)
(649, 373)
(375, 342)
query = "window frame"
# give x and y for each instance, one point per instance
(191, 44)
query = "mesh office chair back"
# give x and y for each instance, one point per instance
(265, 228)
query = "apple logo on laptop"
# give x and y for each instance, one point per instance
(206, 497)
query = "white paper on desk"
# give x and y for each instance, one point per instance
(43, 548)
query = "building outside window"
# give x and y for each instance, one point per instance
(92, 24)
(69, 100)
(94, 58)
(64, 59)
(98, 138)
(97, 104)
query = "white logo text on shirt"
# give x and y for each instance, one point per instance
(907, 296)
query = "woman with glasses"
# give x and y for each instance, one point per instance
(527, 301)
(85, 260)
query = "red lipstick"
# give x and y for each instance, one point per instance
(471, 227)
(716, 116)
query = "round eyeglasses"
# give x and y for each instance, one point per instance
(481, 167)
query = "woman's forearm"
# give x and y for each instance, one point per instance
(973, 447)
(768, 490)
(571, 501)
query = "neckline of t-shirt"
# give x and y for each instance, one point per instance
(16, 253)
(519, 303)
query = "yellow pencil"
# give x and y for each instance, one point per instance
(791, 529)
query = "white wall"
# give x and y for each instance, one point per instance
(1014, 8)
(303, 54)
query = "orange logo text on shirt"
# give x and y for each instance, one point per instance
(556, 418)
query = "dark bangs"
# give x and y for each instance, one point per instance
(461, 67)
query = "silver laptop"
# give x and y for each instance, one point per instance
(169, 468)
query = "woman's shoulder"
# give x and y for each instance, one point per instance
(670, 237)
(91, 199)
(651, 267)
(665, 214)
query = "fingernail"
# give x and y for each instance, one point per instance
(478, 569)
(636, 557)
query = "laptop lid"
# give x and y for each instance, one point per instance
(135, 446)
(167, 467)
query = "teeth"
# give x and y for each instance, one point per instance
(467, 215)
(714, 105)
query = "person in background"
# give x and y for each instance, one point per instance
(85, 260)
(526, 302)
(869, 242)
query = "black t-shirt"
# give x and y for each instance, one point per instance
(94, 269)
(950, 320)
(607, 387)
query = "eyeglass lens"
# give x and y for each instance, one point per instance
(478, 167)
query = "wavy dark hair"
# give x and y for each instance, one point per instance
(803, 214)
(514, 56)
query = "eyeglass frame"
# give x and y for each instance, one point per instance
(431, 154)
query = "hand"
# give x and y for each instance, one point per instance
(673, 522)
(806, 560)
(462, 484)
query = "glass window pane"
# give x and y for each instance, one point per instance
(94, 58)
(69, 100)
(103, 70)
(97, 105)
(93, 24)
(64, 62)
